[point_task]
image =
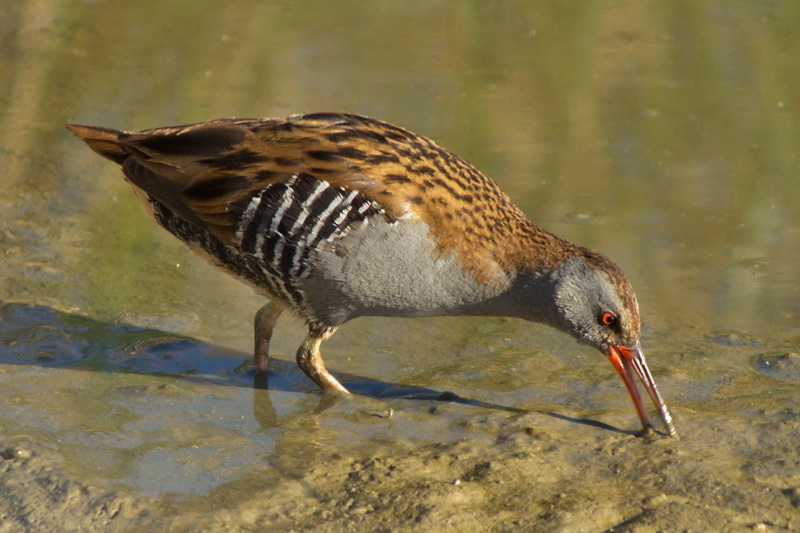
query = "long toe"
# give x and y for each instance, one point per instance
(310, 361)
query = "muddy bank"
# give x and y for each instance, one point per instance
(36, 495)
(721, 474)
(108, 426)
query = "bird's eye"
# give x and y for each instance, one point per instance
(607, 318)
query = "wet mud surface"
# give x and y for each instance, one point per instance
(167, 435)
(528, 479)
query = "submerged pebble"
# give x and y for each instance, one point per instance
(784, 366)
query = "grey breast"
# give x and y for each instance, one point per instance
(390, 268)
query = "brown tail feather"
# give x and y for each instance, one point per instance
(104, 141)
(110, 144)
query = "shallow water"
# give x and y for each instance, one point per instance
(663, 135)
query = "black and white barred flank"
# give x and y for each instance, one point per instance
(277, 231)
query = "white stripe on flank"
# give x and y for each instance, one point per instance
(348, 201)
(338, 220)
(286, 203)
(322, 220)
(276, 255)
(318, 189)
(247, 217)
(275, 281)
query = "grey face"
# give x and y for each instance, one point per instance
(590, 301)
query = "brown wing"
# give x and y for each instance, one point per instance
(207, 173)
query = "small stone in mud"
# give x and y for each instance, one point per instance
(15, 453)
(731, 338)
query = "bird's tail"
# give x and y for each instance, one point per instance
(104, 141)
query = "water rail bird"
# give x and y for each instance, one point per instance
(336, 216)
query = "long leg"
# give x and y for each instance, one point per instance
(264, 322)
(310, 361)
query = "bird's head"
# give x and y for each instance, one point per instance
(595, 303)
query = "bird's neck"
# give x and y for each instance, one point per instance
(529, 295)
(531, 258)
